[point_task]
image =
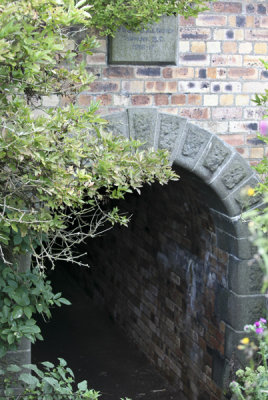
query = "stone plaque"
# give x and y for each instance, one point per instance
(156, 44)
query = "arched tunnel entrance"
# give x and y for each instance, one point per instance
(159, 279)
(178, 280)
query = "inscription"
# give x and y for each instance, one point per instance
(215, 157)
(156, 44)
(145, 40)
(234, 176)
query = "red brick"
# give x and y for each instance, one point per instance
(148, 71)
(195, 113)
(233, 140)
(195, 99)
(227, 113)
(66, 100)
(229, 7)
(256, 34)
(168, 73)
(96, 58)
(178, 73)
(195, 34)
(105, 99)
(264, 22)
(212, 73)
(178, 99)
(84, 99)
(187, 21)
(245, 73)
(161, 99)
(161, 87)
(133, 86)
(98, 87)
(211, 20)
(226, 60)
(242, 151)
(118, 72)
(141, 100)
(229, 47)
(254, 61)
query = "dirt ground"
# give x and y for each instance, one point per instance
(97, 350)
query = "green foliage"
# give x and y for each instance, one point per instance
(59, 168)
(107, 16)
(21, 296)
(252, 382)
(55, 172)
(35, 47)
(49, 383)
(258, 225)
(259, 218)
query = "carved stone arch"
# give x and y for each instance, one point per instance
(227, 176)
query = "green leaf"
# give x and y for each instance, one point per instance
(82, 385)
(17, 239)
(51, 381)
(3, 350)
(18, 312)
(29, 379)
(28, 311)
(63, 363)
(47, 364)
(13, 368)
(10, 338)
(65, 301)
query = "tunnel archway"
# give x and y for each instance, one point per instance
(181, 280)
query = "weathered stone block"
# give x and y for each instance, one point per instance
(234, 173)
(156, 44)
(220, 370)
(213, 159)
(232, 339)
(170, 131)
(245, 309)
(237, 202)
(191, 146)
(245, 276)
(239, 247)
(235, 226)
(118, 123)
(142, 125)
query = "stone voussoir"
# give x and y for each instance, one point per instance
(239, 310)
(245, 276)
(192, 146)
(142, 125)
(213, 160)
(118, 123)
(170, 131)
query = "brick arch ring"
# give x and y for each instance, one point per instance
(224, 171)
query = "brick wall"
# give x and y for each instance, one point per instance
(159, 279)
(218, 72)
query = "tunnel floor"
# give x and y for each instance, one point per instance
(96, 349)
